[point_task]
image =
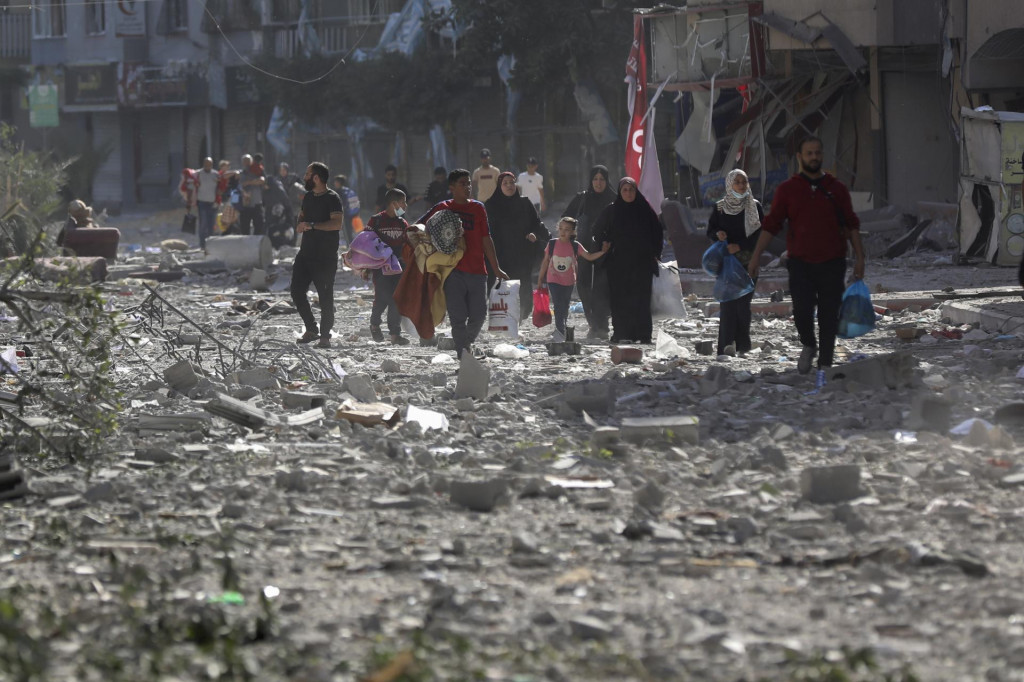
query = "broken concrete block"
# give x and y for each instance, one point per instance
(894, 370)
(302, 400)
(678, 428)
(237, 411)
(930, 412)
(704, 347)
(258, 279)
(587, 627)
(438, 379)
(192, 422)
(556, 348)
(181, 376)
(361, 388)
(830, 484)
(477, 495)
(474, 379)
(596, 397)
(257, 378)
(13, 485)
(155, 455)
(650, 496)
(627, 354)
(715, 380)
(390, 366)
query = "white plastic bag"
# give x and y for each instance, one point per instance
(506, 351)
(667, 294)
(503, 315)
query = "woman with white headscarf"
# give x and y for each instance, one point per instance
(737, 221)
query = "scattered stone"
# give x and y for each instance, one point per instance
(895, 370)
(587, 627)
(181, 376)
(439, 379)
(715, 380)
(360, 387)
(594, 397)
(627, 354)
(259, 377)
(291, 400)
(445, 343)
(930, 412)
(678, 428)
(390, 366)
(650, 496)
(704, 347)
(474, 379)
(480, 496)
(830, 484)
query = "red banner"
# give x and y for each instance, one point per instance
(636, 76)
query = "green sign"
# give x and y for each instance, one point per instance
(42, 106)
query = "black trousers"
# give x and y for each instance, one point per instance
(250, 220)
(384, 299)
(817, 286)
(734, 324)
(592, 287)
(318, 270)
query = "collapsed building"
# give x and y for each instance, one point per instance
(890, 88)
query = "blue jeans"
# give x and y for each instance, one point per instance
(466, 297)
(561, 297)
(207, 217)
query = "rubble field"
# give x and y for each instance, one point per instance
(269, 511)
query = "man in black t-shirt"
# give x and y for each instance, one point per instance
(320, 221)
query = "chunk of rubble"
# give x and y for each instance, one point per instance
(473, 380)
(480, 496)
(830, 484)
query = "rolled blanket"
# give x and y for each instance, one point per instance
(368, 252)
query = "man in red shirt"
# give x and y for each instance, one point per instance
(821, 220)
(465, 290)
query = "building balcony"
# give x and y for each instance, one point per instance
(15, 36)
(336, 35)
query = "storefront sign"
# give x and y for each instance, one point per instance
(43, 106)
(130, 19)
(90, 85)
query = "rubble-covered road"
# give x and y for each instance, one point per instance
(681, 518)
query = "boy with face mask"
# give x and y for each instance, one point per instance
(391, 227)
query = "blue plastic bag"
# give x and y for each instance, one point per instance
(856, 314)
(712, 259)
(733, 281)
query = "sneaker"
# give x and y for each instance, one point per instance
(310, 336)
(399, 340)
(803, 365)
(376, 333)
(325, 341)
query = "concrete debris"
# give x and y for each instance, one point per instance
(481, 496)
(633, 355)
(259, 489)
(360, 386)
(830, 484)
(474, 379)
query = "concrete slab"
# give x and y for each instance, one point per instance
(999, 315)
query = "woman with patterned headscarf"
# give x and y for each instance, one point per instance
(636, 236)
(737, 221)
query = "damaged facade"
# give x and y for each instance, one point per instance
(882, 83)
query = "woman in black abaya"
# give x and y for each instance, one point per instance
(519, 237)
(591, 280)
(636, 236)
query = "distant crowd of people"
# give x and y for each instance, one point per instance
(606, 246)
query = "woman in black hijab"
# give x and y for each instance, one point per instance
(636, 236)
(519, 237)
(591, 279)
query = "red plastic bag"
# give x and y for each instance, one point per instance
(541, 308)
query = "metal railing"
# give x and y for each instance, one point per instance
(332, 34)
(15, 35)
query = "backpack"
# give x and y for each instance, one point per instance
(575, 248)
(350, 202)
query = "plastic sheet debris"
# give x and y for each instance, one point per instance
(442, 359)
(905, 437)
(507, 351)
(666, 347)
(368, 414)
(9, 360)
(580, 483)
(428, 419)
